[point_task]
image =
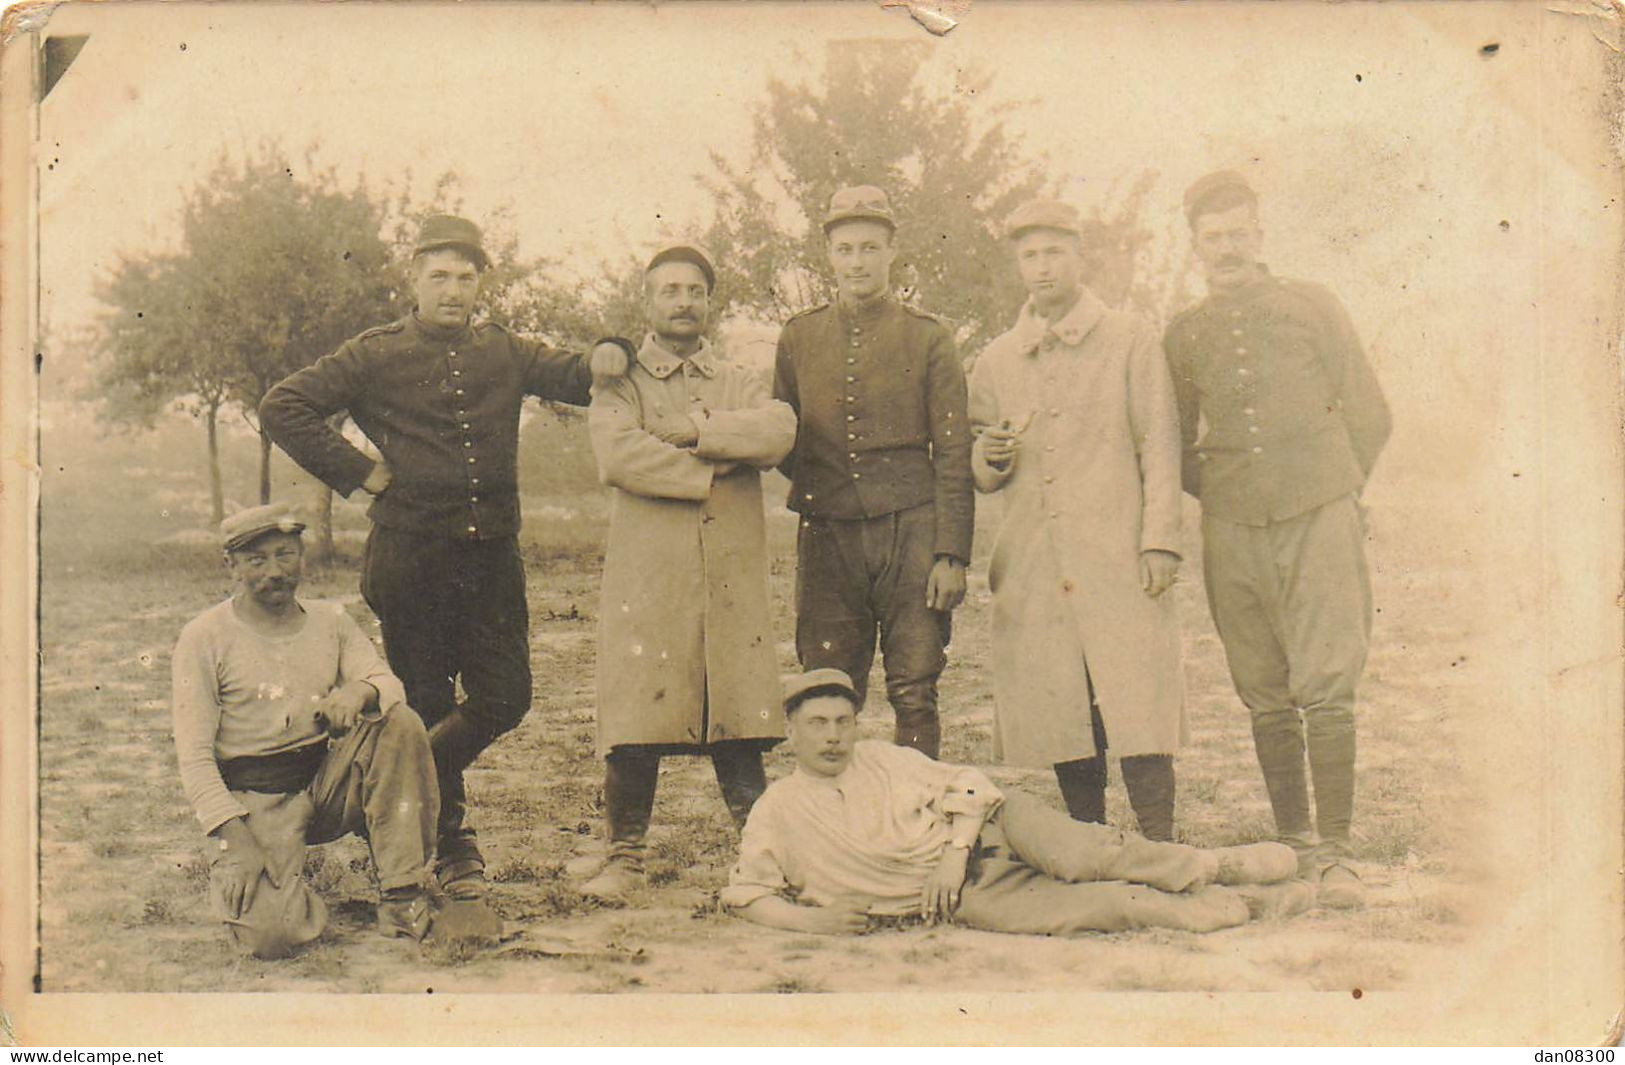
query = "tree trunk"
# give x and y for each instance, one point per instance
(265, 466)
(217, 495)
(321, 544)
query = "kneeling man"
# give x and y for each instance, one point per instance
(864, 828)
(290, 730)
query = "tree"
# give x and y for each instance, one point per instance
(273, 271)
(953, 172)
(949, 165)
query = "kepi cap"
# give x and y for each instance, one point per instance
(1207, 186)
(798, 687)
(686, 252)
(246, 526)
(1043, 214)
(449, 231)
(859, 201)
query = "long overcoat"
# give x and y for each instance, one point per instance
(685, 648)
(1096, 481)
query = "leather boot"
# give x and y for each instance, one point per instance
(1278, 739)
(630, 777)
(1149, 780)
(456, 741)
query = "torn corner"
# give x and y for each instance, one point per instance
(932, 15)
(28, 16)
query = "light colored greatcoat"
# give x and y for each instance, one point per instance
(1095, 483)
(685, 648)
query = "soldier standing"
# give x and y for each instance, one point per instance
(439, 394)
(1294, 423)
(880, 473)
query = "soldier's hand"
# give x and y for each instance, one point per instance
(239, 872)
(342, 707)
(841, 917)
(939, 898)
(678, 430)
(945, 588)
(1000, 443)
(608, 360)
(378, 479)
(1158, 571)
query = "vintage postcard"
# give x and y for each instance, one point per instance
(1172, 451)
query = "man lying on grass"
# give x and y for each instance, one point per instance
(290, 730)
(866, 829)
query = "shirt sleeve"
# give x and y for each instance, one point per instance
(1154, 421)
(359, 660)
(195, 706)
(758, 430)
(947, 414)
(758, 873)
(294, 414)
(984, 412)
(1187, 403)
(785, 390)
(634, 460)
(1365, 410)
(963, 794)
(554, 374)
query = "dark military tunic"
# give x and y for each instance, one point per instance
(881, 400)
(441, 406)
(1294, 415)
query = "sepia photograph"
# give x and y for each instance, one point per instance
(849, 522)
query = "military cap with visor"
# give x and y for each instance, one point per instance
(686, 252)
(241, 529)
(1043, 214)
(799, 687)
(448, 231)
(859, 203)
(1205, 189)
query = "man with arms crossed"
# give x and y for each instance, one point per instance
(1077, 429)
(880, 473)
(290, 730)
(1294, 423)
(864, 828)
(439, 394)
(685, 661)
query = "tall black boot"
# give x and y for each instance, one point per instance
(1083, 788)
(456, 741)
(1149, 779)
(738, 765)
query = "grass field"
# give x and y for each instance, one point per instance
(126, 560)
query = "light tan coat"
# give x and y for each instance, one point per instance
(1095, 483)
(685, 649)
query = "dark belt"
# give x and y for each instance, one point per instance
(282, 773)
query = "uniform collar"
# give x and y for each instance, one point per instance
(438, 333)
(1032, 328)
(1250, 291)
(869, 313)
(662, 363)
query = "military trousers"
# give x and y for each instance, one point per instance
(1292, 604)
(377, 781)
(451, 612)
(1036, 871)
(860, 579)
